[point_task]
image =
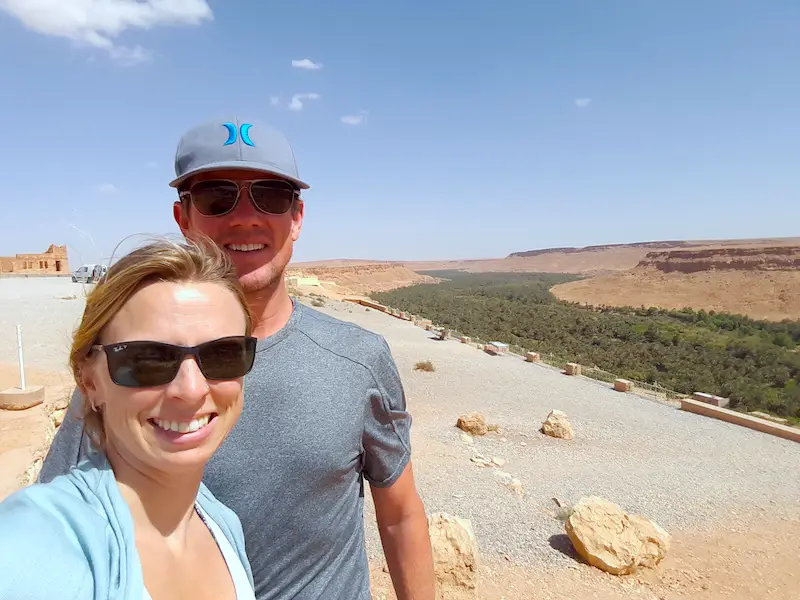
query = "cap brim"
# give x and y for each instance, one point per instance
(242, 166)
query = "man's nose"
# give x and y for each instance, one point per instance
(244, 212)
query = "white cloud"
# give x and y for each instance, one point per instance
(298, 99)
(106, 188)
(96, 23)
(151, 164)
(307, 64)
(354, 119)
(582, 102)
(274, 100)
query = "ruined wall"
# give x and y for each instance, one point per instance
(52, 261)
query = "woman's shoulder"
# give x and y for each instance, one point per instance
(55, 540)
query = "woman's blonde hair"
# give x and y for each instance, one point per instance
(196, 261)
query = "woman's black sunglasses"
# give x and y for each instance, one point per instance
(141, 364)
(217, 197)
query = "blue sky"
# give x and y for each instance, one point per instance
(475, 129)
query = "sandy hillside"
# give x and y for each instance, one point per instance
(762, 283)
(590, 260)
(358, 279)
(756, 277)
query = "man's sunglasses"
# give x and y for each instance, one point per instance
(217, 197)
(140, 364)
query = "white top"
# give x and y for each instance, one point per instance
(244, 591)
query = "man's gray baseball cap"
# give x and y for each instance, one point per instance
(235, 144)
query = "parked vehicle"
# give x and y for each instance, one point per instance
(88, 273)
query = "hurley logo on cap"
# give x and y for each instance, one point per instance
(244, 132)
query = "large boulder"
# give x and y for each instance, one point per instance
(455, 555)
(613, 541)
(473, 422)
(556, 425)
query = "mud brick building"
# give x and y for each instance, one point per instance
(51, 262)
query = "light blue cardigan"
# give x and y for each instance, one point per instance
(73, 538)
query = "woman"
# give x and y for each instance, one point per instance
(159, 357)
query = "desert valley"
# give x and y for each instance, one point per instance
(759, 278)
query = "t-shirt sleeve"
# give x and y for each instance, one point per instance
(39, 559)
(387, 423)
(70, 445)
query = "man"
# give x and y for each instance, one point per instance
(324, 405)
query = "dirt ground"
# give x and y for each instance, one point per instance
(760, 562)
(22, 432)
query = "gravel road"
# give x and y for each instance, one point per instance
(684, 471)
(48, 309)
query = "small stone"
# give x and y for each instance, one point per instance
(465, 437)
(473, 422)
(498, 460)
(481, 460)
(523, 444)
(556, 425)
(511, 482)
(57, 416)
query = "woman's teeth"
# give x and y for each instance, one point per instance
(245, 247)
(186, 427)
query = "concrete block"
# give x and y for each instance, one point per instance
(532, 357)
(466, 340)
(724, 414)
(497, 348)
(711, 399)
(573, 369)
(19, 399)
(623, 385)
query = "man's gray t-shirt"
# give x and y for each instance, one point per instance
(324, 407)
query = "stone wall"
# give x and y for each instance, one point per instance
(52, 261)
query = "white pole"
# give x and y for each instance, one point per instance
(21, 363)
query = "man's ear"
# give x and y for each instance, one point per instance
(297, 219)
(181, 217)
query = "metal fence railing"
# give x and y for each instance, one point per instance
(652, 390)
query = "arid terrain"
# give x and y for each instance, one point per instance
(338, 281)
(759, 278)
(762, 283)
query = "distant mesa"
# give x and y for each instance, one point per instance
(759, 278)
(573, 250)
(590, 260)
(781, 258)
(761, 281)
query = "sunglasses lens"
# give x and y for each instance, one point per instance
(212, 198)
(227, 358)
(274, 197)
(142, 364)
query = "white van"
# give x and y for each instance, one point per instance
(85, 274)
